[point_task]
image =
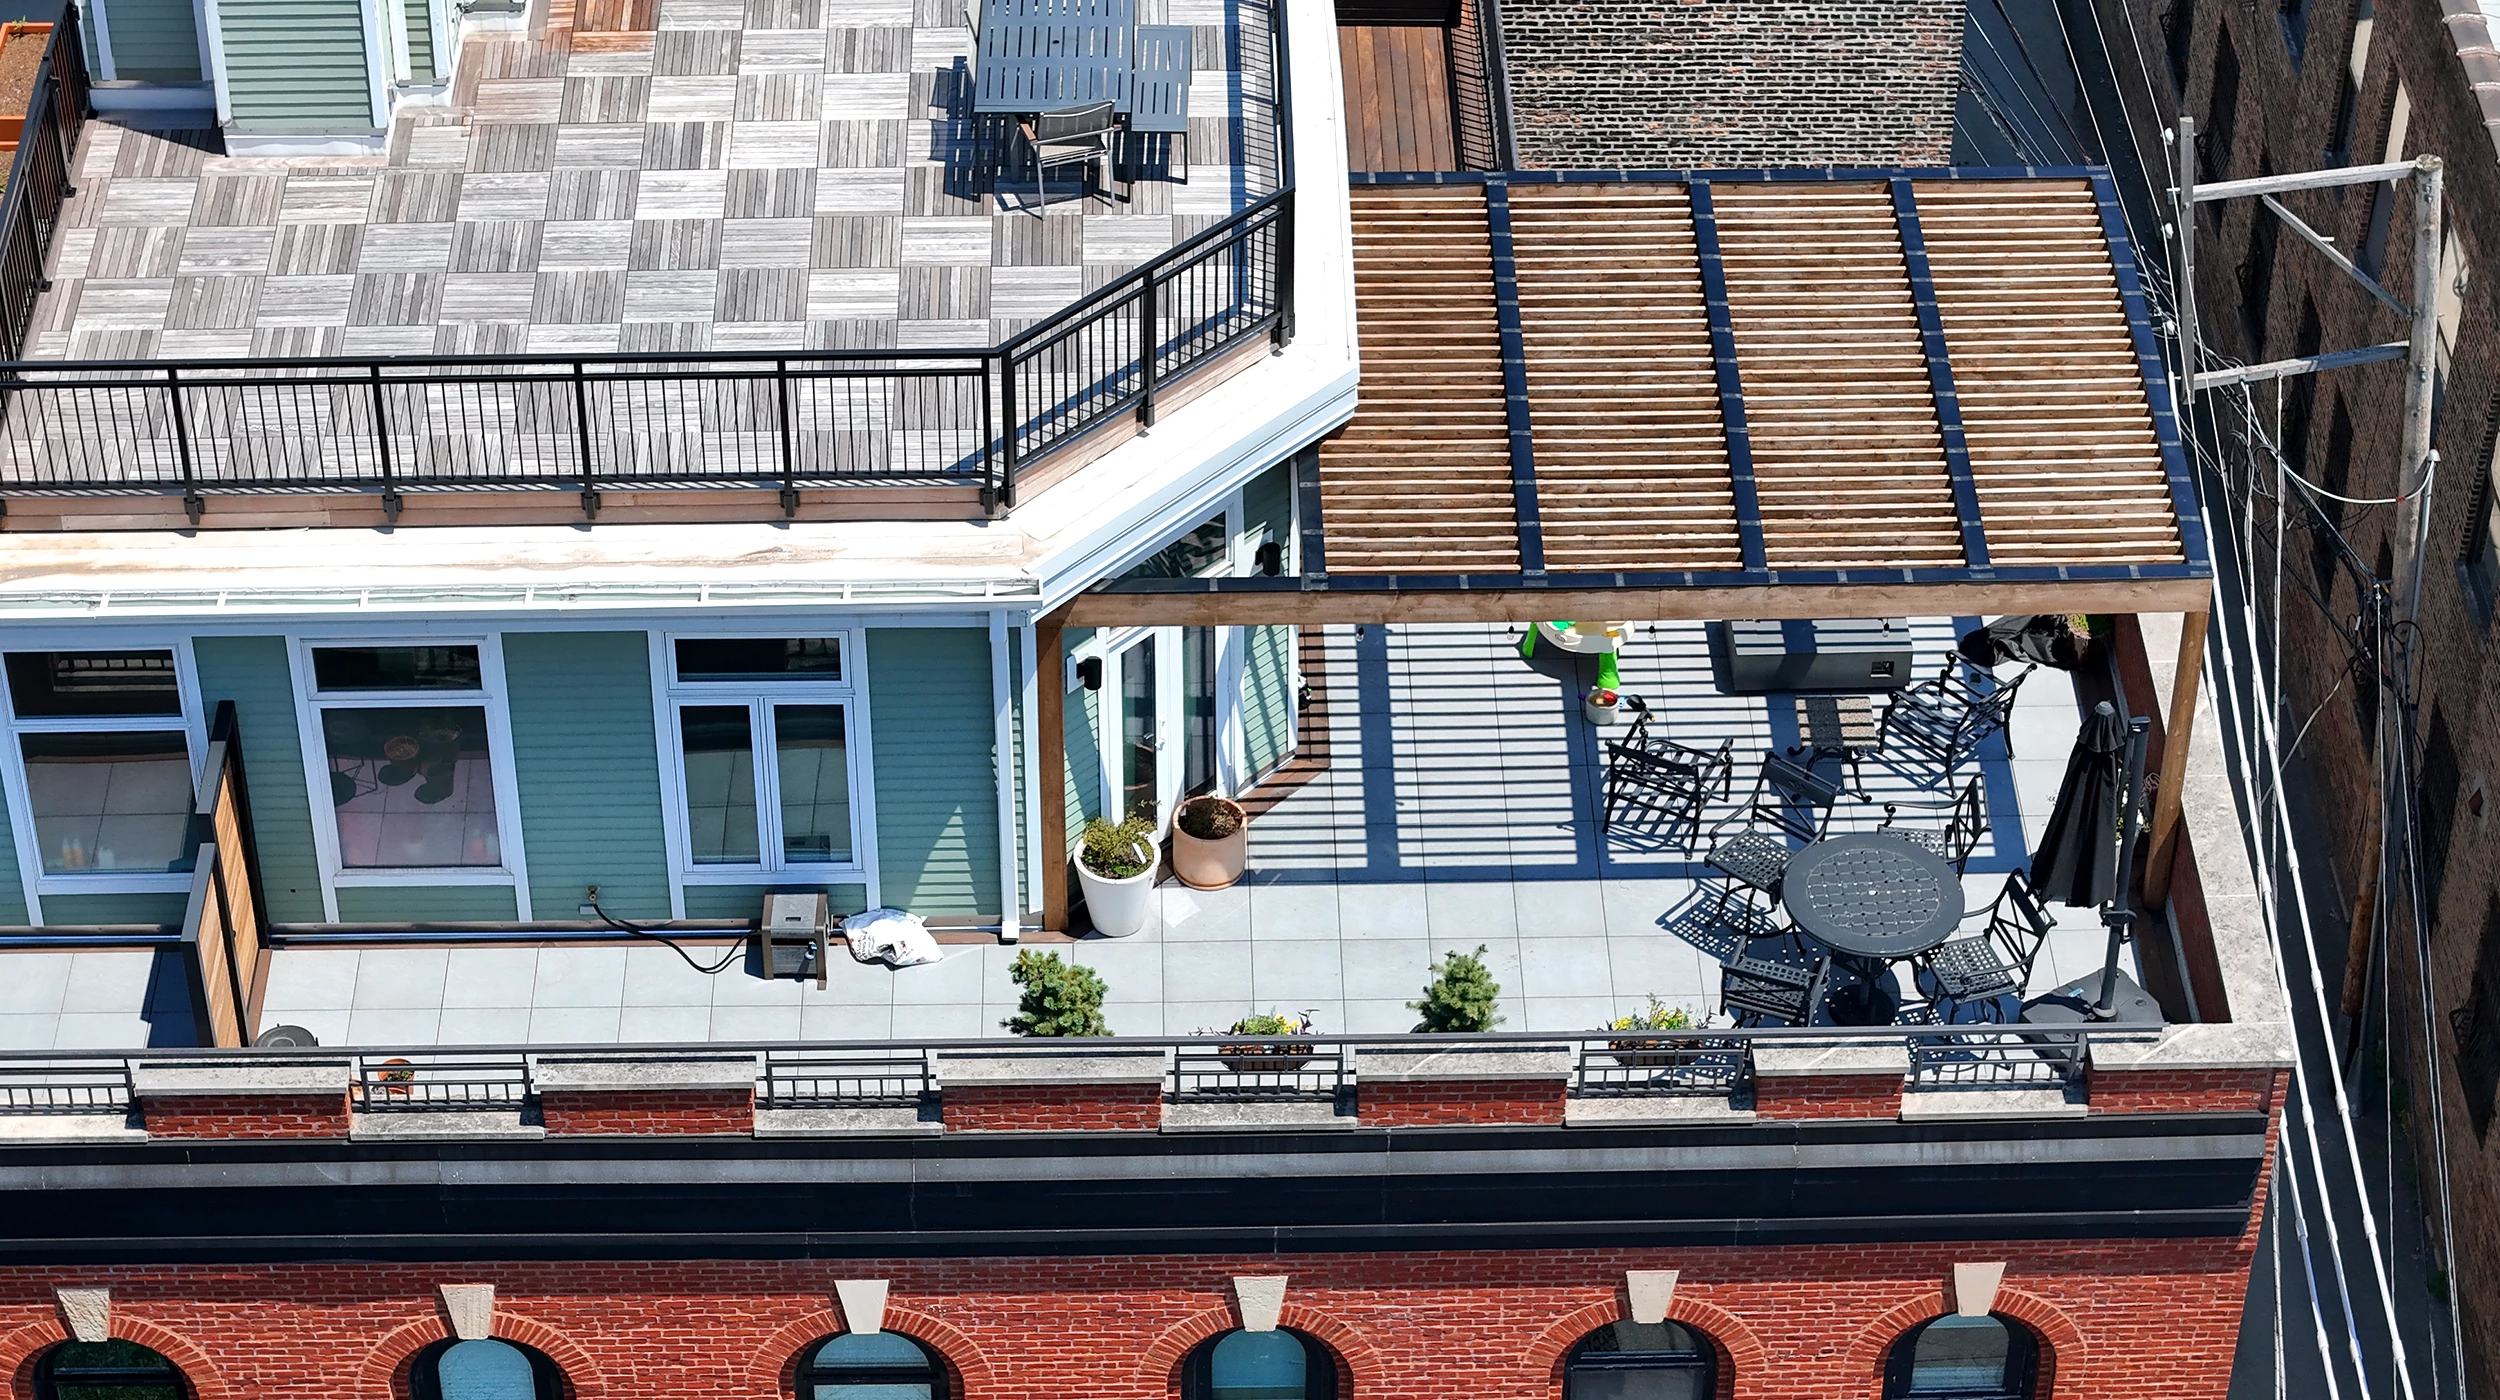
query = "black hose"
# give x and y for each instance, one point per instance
(735, 953)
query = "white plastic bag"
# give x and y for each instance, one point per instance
(890, 936)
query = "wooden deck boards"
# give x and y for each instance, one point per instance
(1399, 111)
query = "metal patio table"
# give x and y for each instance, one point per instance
(1049, 55)
(1873, 899)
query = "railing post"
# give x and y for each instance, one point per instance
(1009, 428)
(581, 429)
(382, 445)
(989, 443)
(1149, 346)
(192, 503)
(1282, 229)
(789, 468)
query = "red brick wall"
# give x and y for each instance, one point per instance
(1447, 1102)
(1827, 1096)
(247, 1116)
(1052, 1108)
(2118, 1319)
(649, 1111)
(2180, 1090)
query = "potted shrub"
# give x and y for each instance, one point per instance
(1460, 996)
(1650, 1052)
(1115, 865)
(1210, 842)
(1602, 706)
(1057, 998)
(1271, 1056)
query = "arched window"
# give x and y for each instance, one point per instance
(114, 1370)
(872, 1366)
(1278, 1365)
(484, 1369)
(1641, 1361)
(1963, 1358)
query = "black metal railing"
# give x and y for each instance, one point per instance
(455, 1083)
(1285, 1069)
(39, 178)
(1985, 1057)
(835, 1079)
(1699, 1066)
(80, 1086)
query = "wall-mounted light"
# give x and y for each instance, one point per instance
(1271, 558)
(1089, 672)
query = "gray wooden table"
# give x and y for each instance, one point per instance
(1049, 55)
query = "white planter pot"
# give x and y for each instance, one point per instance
(1119, 907)
(1601, 714)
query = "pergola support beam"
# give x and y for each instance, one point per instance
(2174, 756)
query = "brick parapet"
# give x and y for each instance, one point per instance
(1460, 1102)
(246, 1115)
(1806, 1096)
(2171, 1090)
(1052, 1108)
(647, 1112)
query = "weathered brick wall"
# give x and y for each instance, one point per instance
(2118, 1319)
(2285, 117)
(1052, 1108)
(2181, 1090)
(1449, 1102)
(649, 1111)
(247, 1116)
(1827, 1096)
(1647, 84)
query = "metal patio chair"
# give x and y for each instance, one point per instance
(1649, 775)
(1080, 136)
(1965, 824)
(1762, 992)
(1996, 962)
(1159, 95)
(1790, 802)
(1934, 727)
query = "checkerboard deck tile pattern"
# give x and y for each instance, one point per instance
(777, 174)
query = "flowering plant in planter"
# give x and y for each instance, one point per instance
(1653, 1050)
(1271, 1055)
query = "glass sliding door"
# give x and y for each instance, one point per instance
(1141, 731)
(1198, 712)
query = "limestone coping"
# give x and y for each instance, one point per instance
(198, 1080)
(1773, 1060)
(1004, 1069)
(1459, 1063)
(607, 1074)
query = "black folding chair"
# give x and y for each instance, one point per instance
(1653, 777)
(1997, 961)
(1934, 727)
(1965, 824)
(1790, 802)
(1761, 992)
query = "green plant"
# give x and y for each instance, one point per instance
(1657, 1016)
(1059, 998)
(1269, 1024)
(1460, 995)
(1118, 850)
(1209, 818)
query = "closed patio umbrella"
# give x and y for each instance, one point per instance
(2077, 863)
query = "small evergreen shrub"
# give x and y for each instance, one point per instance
(1460, 995)
(1118, 850)
(1059, 998)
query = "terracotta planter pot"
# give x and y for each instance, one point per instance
(1202, 864)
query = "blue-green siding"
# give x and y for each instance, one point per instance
(937, 774)
(420, 42)
(1267, 698)
(115, 908)
(297, 65)
(747, 901)
(588, 766)
(1081, 723)
(252, 672)
(419, 904)
(154, 41)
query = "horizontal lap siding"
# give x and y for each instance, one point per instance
(936, 770)
(114, 908)
(154, 41)
(587, 763)
(1847, 452)
(297, 65)
(420, 904)
(420, 43)
(252, 672)
(1080, 725)
(2062, 447)
(747, 901)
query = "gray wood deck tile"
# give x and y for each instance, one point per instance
(761, 294)
(415, 197)
(1057, 239)
(161, 154)
(304, 301)
(326, 199)
(145, 201)
(786, 14)
(585, 245)
(613, 59)
(765, 243)
(760, 335)
(606, 99)
(615, 147)
(578, 298)
(1034, 291)
(315, 250)
(772, 194)
(702, 14)
(933, 189)
(685, 146)
(1126, 238)
(940, 48)
(103, 146)
(388, 340)
(946, 240)
(57, 309)
(773, 145)
(518, 100)
(861, 192)
(945, 293)
(671, 296)
(780, 97)
(114, 343)
(674, 245)
(495, 245)
(1103, 274)
(592, 194)
(936, 14)
(854, 293)
(86, 208)
(396, 299)
(489, 296)
(942, 335)
(867, 96)
(850, 333)
(291, 342)
(696, 99)
(204, 345)
(516, 196)
(396, 248)
(124, 304)
(766, 50)
(134, 251)
(501, 147)
(237, 200)
(687, 53)
(574, 339)
(481, 338)
(71, 249)
(518, 56)
(438, 146)
(885, 49)
(213, 303)
(665, 337)
(876, 12)
(855, 240)
(682, 194)
(864, 144)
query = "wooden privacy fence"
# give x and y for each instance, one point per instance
(223, 928)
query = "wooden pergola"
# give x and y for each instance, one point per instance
(1728, 395)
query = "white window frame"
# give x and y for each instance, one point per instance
(850, 692)
(33, 881)
(491, 694)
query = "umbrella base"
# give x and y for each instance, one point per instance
(2074, 1003)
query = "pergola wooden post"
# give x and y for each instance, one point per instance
(2174, 757)
(1052, 716)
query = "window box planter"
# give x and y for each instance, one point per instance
(1269, 1057)
(1656, 1052)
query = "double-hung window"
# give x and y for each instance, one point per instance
(770, 749)
(407, 739)
(102, 743)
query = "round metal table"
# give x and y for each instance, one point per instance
(1873, 899)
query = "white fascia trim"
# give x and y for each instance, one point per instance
(278, 604)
